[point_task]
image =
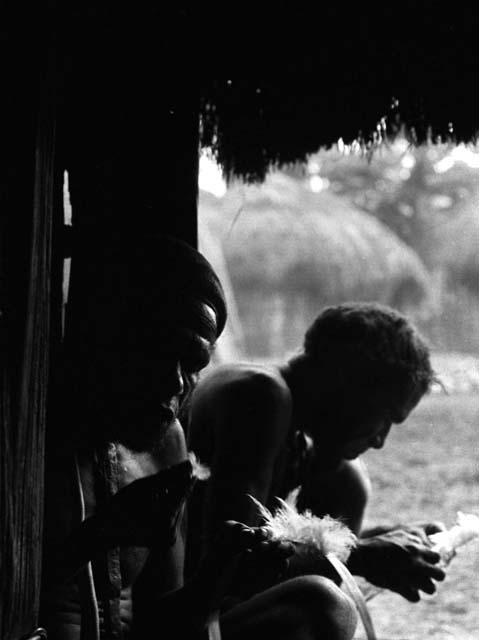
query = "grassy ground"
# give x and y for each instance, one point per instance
(428, 470)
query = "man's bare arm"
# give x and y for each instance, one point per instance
(177, 609)
(251, 424)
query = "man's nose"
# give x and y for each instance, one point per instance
(378, 442)
(379, 439)
(174, 382)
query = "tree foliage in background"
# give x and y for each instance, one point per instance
(429, 196)
(418, 192)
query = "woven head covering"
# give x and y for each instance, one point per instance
(153, 299)
(153, 283)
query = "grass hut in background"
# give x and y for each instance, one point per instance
(291, 251)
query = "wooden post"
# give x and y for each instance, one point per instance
(27, 200)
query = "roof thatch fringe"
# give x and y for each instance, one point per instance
(287, 81)
(271, 83)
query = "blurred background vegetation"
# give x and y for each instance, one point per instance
(399, 226)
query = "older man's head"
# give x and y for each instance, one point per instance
(157, 309)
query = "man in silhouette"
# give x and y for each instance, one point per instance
(266, 430)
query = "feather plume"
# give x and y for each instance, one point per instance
(314, 534)
(200, 471)
(465, 529)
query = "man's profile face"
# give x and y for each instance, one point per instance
(181, 353)
(361, 422)
(371, 431)
(154, 376)
(365, 434)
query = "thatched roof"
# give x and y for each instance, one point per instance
(290, 79)
(271, 83)
(281, 236)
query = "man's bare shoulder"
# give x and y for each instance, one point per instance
(241, 398)
(244, 379)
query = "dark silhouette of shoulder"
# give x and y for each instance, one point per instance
(233, 384)
(250, 399)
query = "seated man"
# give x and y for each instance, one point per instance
(265, 430)
(113, 561)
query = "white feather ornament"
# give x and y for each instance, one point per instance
(324, 535)
(317, 537)
(200, 471)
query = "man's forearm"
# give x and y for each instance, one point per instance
(378, 530)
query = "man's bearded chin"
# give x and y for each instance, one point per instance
(144, 430)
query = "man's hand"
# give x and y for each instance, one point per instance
(206, 591)
(145, 512)
(244, 556)
(400, 560)
(263, 565)
(422, 529)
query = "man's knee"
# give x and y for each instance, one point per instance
(323, 608)
(342, 493)
(357, 482)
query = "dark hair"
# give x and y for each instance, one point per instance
(150, 280)
(369, 344)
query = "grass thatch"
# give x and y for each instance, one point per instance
(293, 78)
(283, 237)
(271, 83)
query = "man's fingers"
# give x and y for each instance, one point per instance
(237, 535)
(275, 549)
(409, 592)
(427, 586)
(436, 573)
(421, 576)
(425, 573)
(428, 555)
(434, 527)
(416, 537)
(262, 533)
(427, 561)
